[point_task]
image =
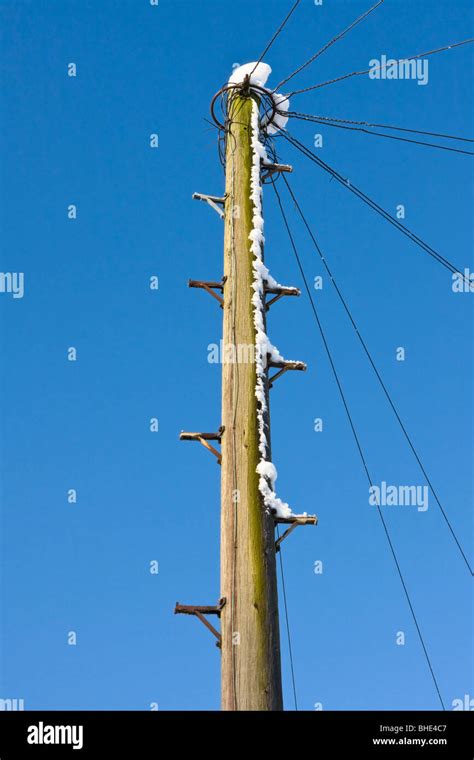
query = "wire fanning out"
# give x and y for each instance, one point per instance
(372, 204)
(376, 371)
(380, 68)
(277, 33)
(310, 117)
(329, 44)
(357, 441)
(332, 123)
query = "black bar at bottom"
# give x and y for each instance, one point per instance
(319, 735)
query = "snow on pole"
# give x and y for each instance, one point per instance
(263, 347)
(259, 74)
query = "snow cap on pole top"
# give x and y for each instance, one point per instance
(258, 77)
(259, 73)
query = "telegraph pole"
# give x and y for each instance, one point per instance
(251, 669)
(249, 638)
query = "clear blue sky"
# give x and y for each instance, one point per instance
(142, 496)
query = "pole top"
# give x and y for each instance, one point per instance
(246, 91)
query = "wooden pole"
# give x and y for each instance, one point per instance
(251, 668)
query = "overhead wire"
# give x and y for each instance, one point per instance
(328, 45)
(379, 68)
(379, 126)
(375, 206)
(277, 33)
(376, 371)
(358, 444)
(327, 122)
(287, 619)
